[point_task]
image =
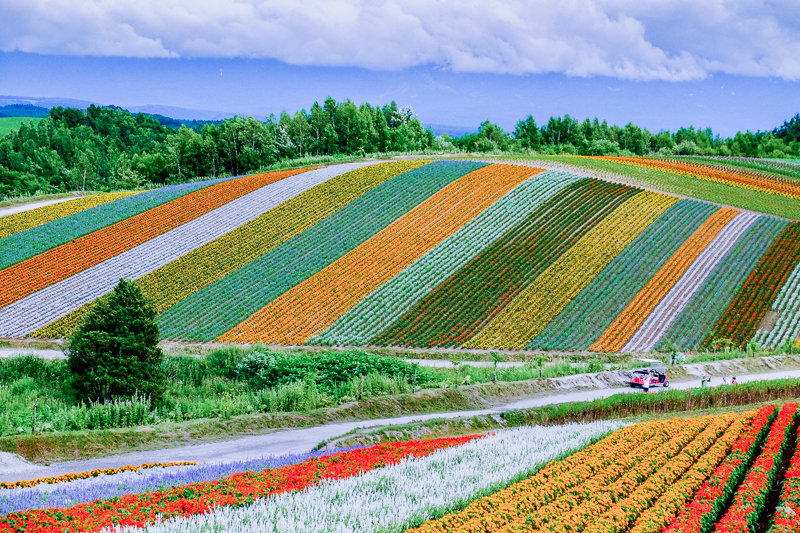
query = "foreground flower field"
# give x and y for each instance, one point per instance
(691, 475)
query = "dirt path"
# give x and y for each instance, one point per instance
(303, 440)
(14, 209)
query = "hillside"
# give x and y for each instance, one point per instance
(419, 253)
(9, 124)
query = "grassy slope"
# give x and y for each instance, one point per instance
(680, 185)
(8, 124)
(441, 427)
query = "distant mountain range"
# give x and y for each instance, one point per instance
(32, 106)
(179, 113)
(452, 131)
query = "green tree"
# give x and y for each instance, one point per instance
(790, 131)
(115, 353)
(528, 134)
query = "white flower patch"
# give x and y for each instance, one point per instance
(396, 497)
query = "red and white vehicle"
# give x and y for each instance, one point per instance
(658, 377)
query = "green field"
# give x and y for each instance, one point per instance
(8, 124)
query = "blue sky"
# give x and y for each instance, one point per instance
(728, 65)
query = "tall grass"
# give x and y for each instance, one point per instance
(36, 397)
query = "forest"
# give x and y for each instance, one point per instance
(109, 148)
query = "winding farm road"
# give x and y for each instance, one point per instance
(303, 440)
(14, 209)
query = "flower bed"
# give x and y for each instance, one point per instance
(238, 489)
(401, 495)
(700, 515)
(83, 475)
(748, 502)
(462, 305)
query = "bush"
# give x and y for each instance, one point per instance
(364, 386)
(328, 369)
(115, 353)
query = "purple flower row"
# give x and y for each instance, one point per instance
(113, 486)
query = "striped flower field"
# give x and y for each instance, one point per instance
(419, 253)
(706, 474)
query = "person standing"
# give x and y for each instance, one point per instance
(646, 382)
(733, 381)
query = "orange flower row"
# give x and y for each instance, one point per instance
(708, 449)
(91, 473)
(636, 312)
(671, 500)
(63, 261)
(320, 300)
(635, 480)
(556, 481)
(778, 178)
(713, 174)
(578, 509)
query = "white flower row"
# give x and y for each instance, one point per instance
(390, 301)
(396, 497)
(787, 303)
(53, 302)
(675, 301)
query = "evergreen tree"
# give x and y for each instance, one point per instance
(115, 352)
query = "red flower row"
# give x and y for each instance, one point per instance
(748, 502)
(238, 489)
(787, 514)
(700, 515)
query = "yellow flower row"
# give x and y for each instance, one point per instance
(617, 335)
(36, 217)
(625, 512)
(174, 281)
(664, 510)
(541, 302)
(84, 475)
(554, 480)
(611, 486)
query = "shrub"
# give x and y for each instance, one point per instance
(328, 369)
(185, 369)
(115, 353)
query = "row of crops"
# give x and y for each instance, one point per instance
(449, 253)
(712, 474)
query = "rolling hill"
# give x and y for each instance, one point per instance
(599, 254)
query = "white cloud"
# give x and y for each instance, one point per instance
(628, 39)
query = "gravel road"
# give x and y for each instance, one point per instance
(14, 209)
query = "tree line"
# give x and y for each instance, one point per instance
(566, 135)
(107, 148)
